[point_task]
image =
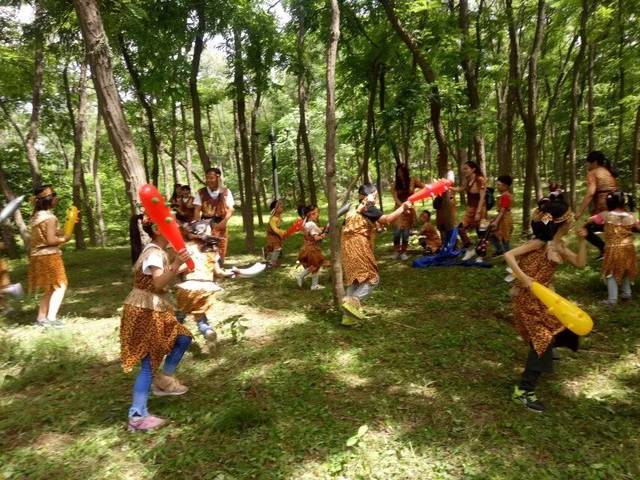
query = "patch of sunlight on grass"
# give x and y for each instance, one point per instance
(606, 383)
(425, 389)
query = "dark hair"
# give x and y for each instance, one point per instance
(43, 203)
(186, 187)
(304, 211)
(402, 181)
(135, 237)
(366, 189)
(556, 206)
(600, 158)
(427, 213)
(273, 204)
(475, 166)
(215, 170)
(620, 199)
(506, 179)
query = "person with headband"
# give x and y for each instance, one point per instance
(359, 267)
(150, 332)
(275, 235)
(46, 268)
(214, 202)
(537, 260)
(310, 255)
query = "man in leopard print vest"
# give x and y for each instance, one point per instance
(215, 203)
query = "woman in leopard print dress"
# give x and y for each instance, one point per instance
(150, 332)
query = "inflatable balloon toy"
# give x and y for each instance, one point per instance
(295, 227)
(434, 189)
(10, 208)
(158, 211)
(70, 222)
(569, 314)
(249, 272)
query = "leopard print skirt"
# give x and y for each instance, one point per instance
(46, 273)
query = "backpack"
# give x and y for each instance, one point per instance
(489, 197)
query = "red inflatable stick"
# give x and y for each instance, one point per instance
(295, 227)
(157, 210)
(434, 189)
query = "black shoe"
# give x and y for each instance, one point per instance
(600, 257)
(528, 399)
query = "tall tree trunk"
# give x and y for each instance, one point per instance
(154, 142)
(187, 149)
(330, 154)
(97, 187)
(77, 126)
(303, 196)
(470, 67)
(236, 154)
(17, 216)
(371, 103)
(430, 78)
(198, 46)
(590, 105)
(173, 147)
(254, 153)
(635, 155)
(36, 96)
(238, 81)
(302, 106)
(97, 46)
(576, 100)
(621, 81)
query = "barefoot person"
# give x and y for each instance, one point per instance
(359, 265)
(46, 269)
(215, 203)
(150, 332)
(537, 261)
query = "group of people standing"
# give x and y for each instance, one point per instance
(152, 331)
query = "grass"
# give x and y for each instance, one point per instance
(429, 375)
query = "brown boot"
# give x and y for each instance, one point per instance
(164, 385)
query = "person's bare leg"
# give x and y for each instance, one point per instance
(44, 307)
(55, 302)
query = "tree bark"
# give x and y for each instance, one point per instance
(154, 142)
(303, 195)
(371, 103)
(173, 148)
(330, 154)
(36, 97)
(430, 78)
(635, 158)
(97, 47)
(238, 81)
(590, 105)
(187, 149)
(254, 153)
(17, 216)
(302, 107)
(97, 187)
(198, 46)
(470, 68)
(621, 81)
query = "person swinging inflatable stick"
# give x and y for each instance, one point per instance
(535, 262)
(359, 265)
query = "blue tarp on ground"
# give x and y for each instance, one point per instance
(448, 256)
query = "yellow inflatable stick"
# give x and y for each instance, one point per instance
(569, 314)
(72, 217)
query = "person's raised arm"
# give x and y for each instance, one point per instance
(393, 216)
(510, 258)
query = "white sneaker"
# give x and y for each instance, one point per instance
(479, 260)
(317, 287)
(509, 278)
(299, 280)
(470, 253)
(404, 256)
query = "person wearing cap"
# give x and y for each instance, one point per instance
(359, 266)
(214, 202)
(46, 268)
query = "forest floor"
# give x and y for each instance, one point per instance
(421, 391)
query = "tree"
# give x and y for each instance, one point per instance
(97, 47)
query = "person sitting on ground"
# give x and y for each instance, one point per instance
(429, 238)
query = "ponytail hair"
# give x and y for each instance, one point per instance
(136, 227)
(620, 199)
(600, 158)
